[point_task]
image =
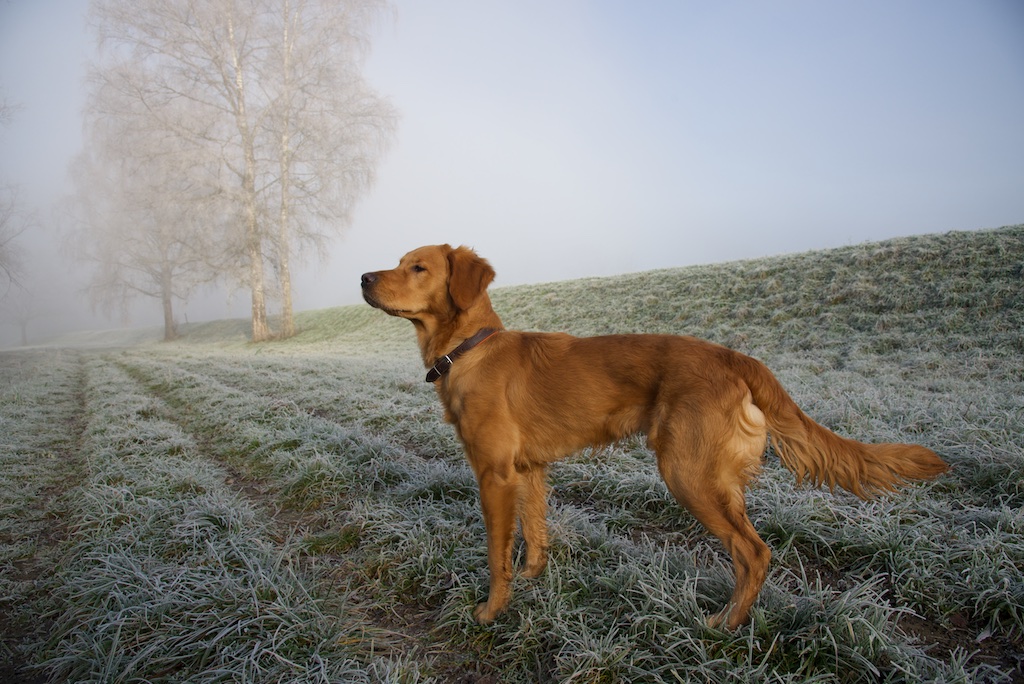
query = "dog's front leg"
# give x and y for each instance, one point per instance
(499, 487)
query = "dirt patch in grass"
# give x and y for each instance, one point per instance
(1002, 652)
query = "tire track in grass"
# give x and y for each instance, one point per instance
(365, 396)
(267, 441)
(325, 487)
(174, 576)
(41, 422)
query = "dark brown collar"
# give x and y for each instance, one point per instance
(444, 364)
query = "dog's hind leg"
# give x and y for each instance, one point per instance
(533, 510)
(706, 461)
(750, 556)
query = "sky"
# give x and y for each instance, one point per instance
(574, 138)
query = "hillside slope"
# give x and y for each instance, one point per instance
(932, 293)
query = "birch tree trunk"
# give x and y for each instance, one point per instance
(253, 237)
(167, 298)
(329, 126)
(284, 239)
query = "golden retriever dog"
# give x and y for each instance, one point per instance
(521, 400)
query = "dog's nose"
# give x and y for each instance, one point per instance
(368, 279)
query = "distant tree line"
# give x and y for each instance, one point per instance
(224, 140)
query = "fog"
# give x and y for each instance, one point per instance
(577, 139)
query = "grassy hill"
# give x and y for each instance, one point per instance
(216, 510)
(931, 293)
(927, 292)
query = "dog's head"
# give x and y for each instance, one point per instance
(434, 282)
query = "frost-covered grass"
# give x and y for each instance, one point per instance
(170, 574)
(298, 511)
(39, 427)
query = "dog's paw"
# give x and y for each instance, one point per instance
(717, 621)
(534, 570)
(727, 620)
(483, 615)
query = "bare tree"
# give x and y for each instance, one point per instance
(140, 227)
(181, 69)
(15, 220)
(330, 127)
(144, 198)
(243, 84)
(21, 308)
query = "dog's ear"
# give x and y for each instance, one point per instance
(468, 276)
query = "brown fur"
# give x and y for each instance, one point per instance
(520, 401)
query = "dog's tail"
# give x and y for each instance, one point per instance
(815, 453)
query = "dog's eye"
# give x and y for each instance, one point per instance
(418, 268)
